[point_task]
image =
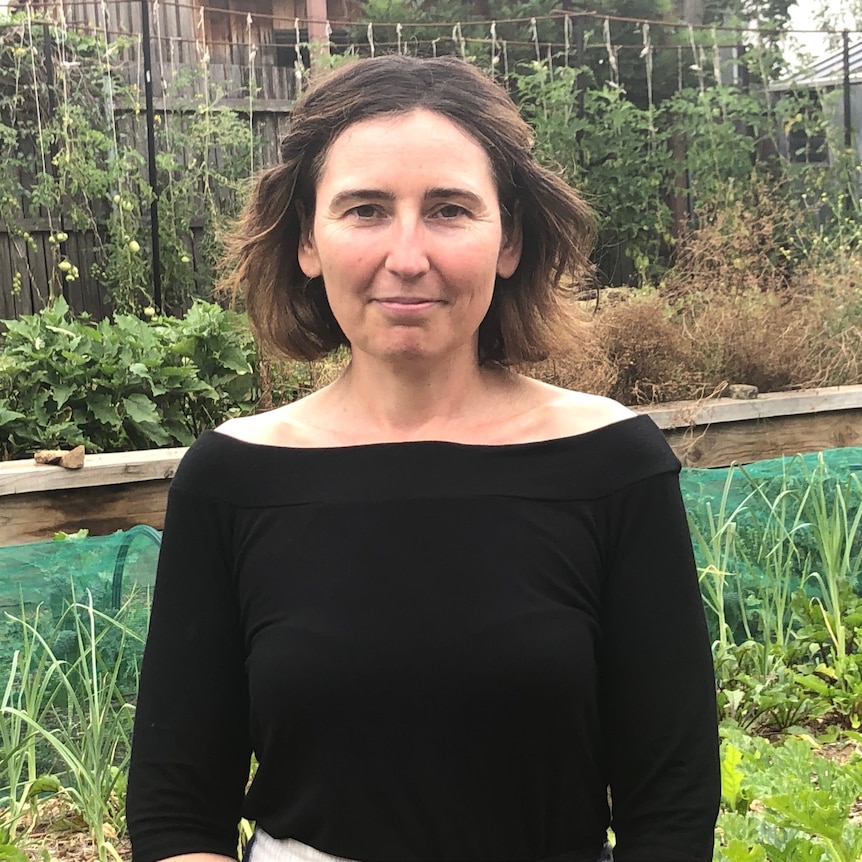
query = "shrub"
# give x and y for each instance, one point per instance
(126, 383)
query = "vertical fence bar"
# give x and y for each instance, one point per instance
(848, 120)
(151, 153)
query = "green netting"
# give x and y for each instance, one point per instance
(772, 535)
(117, 571)
(699, 485)
(755, 529)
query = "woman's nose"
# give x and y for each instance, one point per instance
(407, 256)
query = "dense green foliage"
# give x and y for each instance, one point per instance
(125, 383)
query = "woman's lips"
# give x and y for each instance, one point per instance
(407, 306)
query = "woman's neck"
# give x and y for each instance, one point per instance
(412, 402)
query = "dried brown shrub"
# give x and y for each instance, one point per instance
(760, 338)
(650, 348)
(748, 244)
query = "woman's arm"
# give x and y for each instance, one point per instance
(191, 750)
(658, 690)
(199, 857)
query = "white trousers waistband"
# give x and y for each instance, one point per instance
(268, 849)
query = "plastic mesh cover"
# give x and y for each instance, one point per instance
(114, 570)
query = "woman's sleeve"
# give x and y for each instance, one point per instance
(191, 750)
(658, 690)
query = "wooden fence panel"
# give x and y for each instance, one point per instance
(178, 42)
(38, 266)
(8, 308)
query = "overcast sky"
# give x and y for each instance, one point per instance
(804, 16)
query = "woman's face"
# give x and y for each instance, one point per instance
(408, 238)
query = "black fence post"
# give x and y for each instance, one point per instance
(580, 61)
(151, 154)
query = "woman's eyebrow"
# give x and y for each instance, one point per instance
(462, 194)
(350, 195)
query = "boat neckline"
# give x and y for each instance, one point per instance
(550, 442)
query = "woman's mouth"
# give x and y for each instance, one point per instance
(407, 305)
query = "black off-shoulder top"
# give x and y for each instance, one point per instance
(436, 651)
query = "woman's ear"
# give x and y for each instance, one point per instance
(309, 260)
(511, 245)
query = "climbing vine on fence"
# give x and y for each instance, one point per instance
(72, 143)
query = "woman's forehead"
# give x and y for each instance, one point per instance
(419, 137)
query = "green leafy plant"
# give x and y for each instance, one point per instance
(124, 383)
(784, 802)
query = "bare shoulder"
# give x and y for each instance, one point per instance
(567, 413)
(283, 426)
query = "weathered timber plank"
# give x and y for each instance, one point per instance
(25, 477)
(101, 510)
(682, 414)
(24, 299)
(742, 442)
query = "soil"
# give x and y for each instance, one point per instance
(60, 834)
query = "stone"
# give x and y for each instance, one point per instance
(71, 460)
(741, 391)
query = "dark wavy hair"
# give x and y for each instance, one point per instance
(528, 316)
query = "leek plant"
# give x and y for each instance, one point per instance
(88, 722)
(30, 689)
(774, 563)
(834, 529)
(717, 543)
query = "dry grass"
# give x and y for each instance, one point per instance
(59, 833)
(649, 348)
(732, 310)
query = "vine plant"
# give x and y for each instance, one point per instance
(74, 160)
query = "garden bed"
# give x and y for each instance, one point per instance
(117, 491)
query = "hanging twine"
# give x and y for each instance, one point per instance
(369, 34)
(716, 57)
(252, 51)
(646, 53)
(612, 54)
(434, 46)
(201, 40)
(505, 58)
(328, 31)
(534, 35)
(39, 127)
(567, 37)
(458, 39)
(494, 57)
(697, 67)
(298, 67)
(398, 36)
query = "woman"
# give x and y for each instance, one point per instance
(452, 610)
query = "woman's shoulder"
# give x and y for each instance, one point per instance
(567, 413)
(286, 426)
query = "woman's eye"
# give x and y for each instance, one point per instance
(450, 211)
(365, 211)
